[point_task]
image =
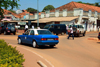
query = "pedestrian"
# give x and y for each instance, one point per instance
(32, 26)
(38, 27)
(98, 28)
(71, 33)
(26, 27)
(67, 29)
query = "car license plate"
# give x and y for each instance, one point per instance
(50, 39)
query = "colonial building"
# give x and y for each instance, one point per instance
(72, 13)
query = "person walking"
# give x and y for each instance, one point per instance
(67, 29)
(38, 27)
(26, 27)
(32, 26)
(71, 33)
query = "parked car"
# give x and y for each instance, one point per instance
(9, 28)
(99, 36)
(56, 28)
(1, 27)
(38, 37)
(78, 30)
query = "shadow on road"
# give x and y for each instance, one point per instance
(40, 47)
(93, 36)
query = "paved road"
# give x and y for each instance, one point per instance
(79, 52)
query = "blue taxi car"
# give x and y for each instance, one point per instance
(38, 37)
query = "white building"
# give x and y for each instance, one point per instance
(72, 13)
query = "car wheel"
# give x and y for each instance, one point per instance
(62, 33)
(34, 44)
(83, 34)
(52, 46)
(78, 35)
(56, 33)
(19, 41)
(5, 32)
(14, 33)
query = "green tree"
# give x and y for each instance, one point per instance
(48, 7)
(31, 10)
(12, 11)
(94, 4)
(6, 4)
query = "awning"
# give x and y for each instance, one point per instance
(55, 19)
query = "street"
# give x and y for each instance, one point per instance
(79, 52)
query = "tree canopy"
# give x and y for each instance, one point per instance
(48, 7)
(31, 10)
(93, 4)
(8, 4)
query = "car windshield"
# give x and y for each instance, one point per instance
(77, 26)
(46, 27)
(10, 25)
(44, 32)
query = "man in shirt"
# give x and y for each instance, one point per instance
(26, 28)
(32, 26)
(71, 33)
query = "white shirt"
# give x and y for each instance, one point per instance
(32, 27)
(66, 27)
(26, 26)
(71, 30)
(38, 27)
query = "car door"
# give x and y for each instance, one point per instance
(25, 40)
(30, 37)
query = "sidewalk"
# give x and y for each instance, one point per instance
(32, 59)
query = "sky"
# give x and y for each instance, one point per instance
(42, 3)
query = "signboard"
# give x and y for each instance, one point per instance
(22, 23)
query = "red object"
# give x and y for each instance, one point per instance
(77, 30)
(6, 28)
(99, 34)
(0, 27)
(43, 39)
(56, 38)
(69, 31)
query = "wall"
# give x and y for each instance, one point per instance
(67, 22)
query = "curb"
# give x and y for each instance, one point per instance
(93, 39)
(41, 64)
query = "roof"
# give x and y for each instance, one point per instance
(45, 20)
(6, 12)
(70, 7)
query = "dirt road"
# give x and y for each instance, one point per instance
(79, 52)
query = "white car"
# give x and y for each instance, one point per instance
(78, 30)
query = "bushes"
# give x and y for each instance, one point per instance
(9, 56)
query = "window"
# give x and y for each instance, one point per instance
(8, 17)
(44, 32)
(51, 26)
(32, 32)
(27, 32)
(46, 27)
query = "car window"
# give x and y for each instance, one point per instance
(46, 27)
(32, 32)
(57, 27)
(27, 32)
(52, 26)
(10, 25)
(44, 32)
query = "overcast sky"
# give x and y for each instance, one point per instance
(42, 3)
